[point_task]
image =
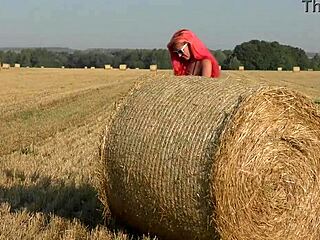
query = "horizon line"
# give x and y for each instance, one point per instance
(135, 48)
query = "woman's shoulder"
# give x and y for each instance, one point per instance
(205, 61)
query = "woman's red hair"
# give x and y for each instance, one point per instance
(198, 50)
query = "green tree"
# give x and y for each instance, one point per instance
(262, 55)
(220, 56)
(233, 63)
(315, 62)
(25, 57)
(10, 57)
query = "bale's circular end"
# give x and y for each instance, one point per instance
(266, 176)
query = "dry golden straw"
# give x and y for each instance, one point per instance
(153, 67)
(197, 158)
(107, 66)
(6, 66)
(296, 69)
(123, 67)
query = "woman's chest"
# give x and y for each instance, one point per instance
(194, 68)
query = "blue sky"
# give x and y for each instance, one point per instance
(221, 24)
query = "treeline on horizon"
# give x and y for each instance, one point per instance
(253, 55)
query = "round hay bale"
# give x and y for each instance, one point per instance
(196, 158)
(123, 67)
(107, 66)
(153, 67)
(296, 69)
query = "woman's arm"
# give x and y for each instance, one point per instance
(206, 69)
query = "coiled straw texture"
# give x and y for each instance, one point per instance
(196, 158)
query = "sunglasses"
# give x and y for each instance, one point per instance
(180, 52)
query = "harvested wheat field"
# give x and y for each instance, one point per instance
(51, 122)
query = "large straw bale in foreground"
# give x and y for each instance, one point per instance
(188, 157)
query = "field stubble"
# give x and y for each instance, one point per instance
(50, 124)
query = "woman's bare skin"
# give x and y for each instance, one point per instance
(196, 68)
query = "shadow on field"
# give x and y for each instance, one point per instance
(52, 197)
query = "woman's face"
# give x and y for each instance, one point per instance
(182, 50)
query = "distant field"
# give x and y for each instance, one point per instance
(307, 83)
(50, 123)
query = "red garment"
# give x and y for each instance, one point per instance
(198, 51)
